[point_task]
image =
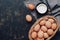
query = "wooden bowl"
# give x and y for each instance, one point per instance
(31, 29)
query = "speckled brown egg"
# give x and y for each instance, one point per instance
(51, 20)
(48, 24)
(50, 31)
(42, 22)
(40, 34)
(54, 26)
(34, 35)
(37, 27)
(46, 35)
(28, 18)
(31, 6)
(40, 39)
(44, 28)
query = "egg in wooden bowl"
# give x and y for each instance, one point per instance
(44, 28)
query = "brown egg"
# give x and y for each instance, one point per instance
(37, 27)
(34, 39)
(51, 20)
(40, 39)
(46, 18)
(31, 6)
(40, 34)
(42, 22)
(34, 35)
(50, 31)
(46, 35)
(44, 28)
(48, 24)
(54, 26)
(28, 18)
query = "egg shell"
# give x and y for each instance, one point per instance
(44, 28)
(50, 31)
(37, 27)
(40, 34)
(40, 39)
(51, 20)
(54, 26)
(34, 35)
(42, 22)
(46, 35)
(48, 24)
(28, 18)
(31, 6)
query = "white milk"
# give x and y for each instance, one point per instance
(41, 8)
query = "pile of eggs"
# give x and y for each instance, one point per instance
(44, 29)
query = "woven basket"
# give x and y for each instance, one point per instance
(29, 34)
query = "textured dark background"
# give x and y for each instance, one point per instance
(13, 25)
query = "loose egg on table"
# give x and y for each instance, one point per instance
(31, 6)
(28, 18)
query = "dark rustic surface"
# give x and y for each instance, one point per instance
(13, 25)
